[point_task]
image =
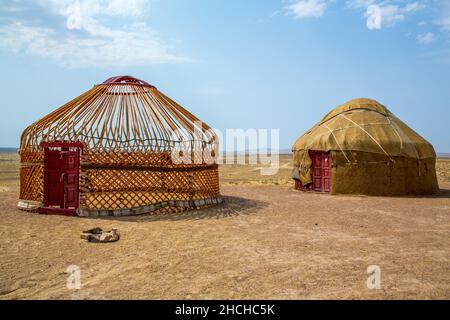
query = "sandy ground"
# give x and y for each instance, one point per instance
(265, 241)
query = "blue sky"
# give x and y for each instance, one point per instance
(235, 64)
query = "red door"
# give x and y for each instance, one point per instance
(321, 171)
(53, 185)
(61, 177)
(71, 160)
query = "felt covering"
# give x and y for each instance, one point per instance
(367, 141)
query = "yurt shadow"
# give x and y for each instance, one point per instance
(442, 194)
(230, 207)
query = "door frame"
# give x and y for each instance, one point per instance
(63, 146)
(324, 168)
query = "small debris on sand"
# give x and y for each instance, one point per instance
(98, 235)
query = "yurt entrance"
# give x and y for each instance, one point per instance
(321, 171)
(61, 177)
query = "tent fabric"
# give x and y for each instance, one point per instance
(362, 127)
(302, 166)
(365, 125)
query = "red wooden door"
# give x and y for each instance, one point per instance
(71, 179)
(321, 171)
(317, 171)
(61, 176)
(53, 184)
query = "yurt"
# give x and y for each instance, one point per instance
(121, 148)
(360, 147)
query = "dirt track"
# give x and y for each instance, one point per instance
(264, 242)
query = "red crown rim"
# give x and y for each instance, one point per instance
(126, 80)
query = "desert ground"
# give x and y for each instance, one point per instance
(266, 241)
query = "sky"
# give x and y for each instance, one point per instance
(269, 64)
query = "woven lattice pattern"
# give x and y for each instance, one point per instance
(113, 189)
(130, 133)
(32, 182)
(31, 175)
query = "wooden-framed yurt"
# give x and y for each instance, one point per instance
(361, 147)
(121, 148)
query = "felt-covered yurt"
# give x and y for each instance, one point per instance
(121, 148)
(360, 147)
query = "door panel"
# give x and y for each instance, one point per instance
(326, 185)
(54, 177)
(317, 184)
(326, 168)
(71, 161)
(71, 179)
(71, 197)
(53, 195)
(317, 171)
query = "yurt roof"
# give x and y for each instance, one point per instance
(368, 126)
(357, 104)
(121, 113)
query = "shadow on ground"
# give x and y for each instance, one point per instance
(231, 207)
(442, 194)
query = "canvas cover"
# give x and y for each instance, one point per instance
(364, 126)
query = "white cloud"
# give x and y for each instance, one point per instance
(358, 4)
(85, 40)
(409, 5)
(386, 13)
(131, 8)
(307, 8)
(391, 14)
(379, 13)
(413, 7)
(425, 38)
(444, 23)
